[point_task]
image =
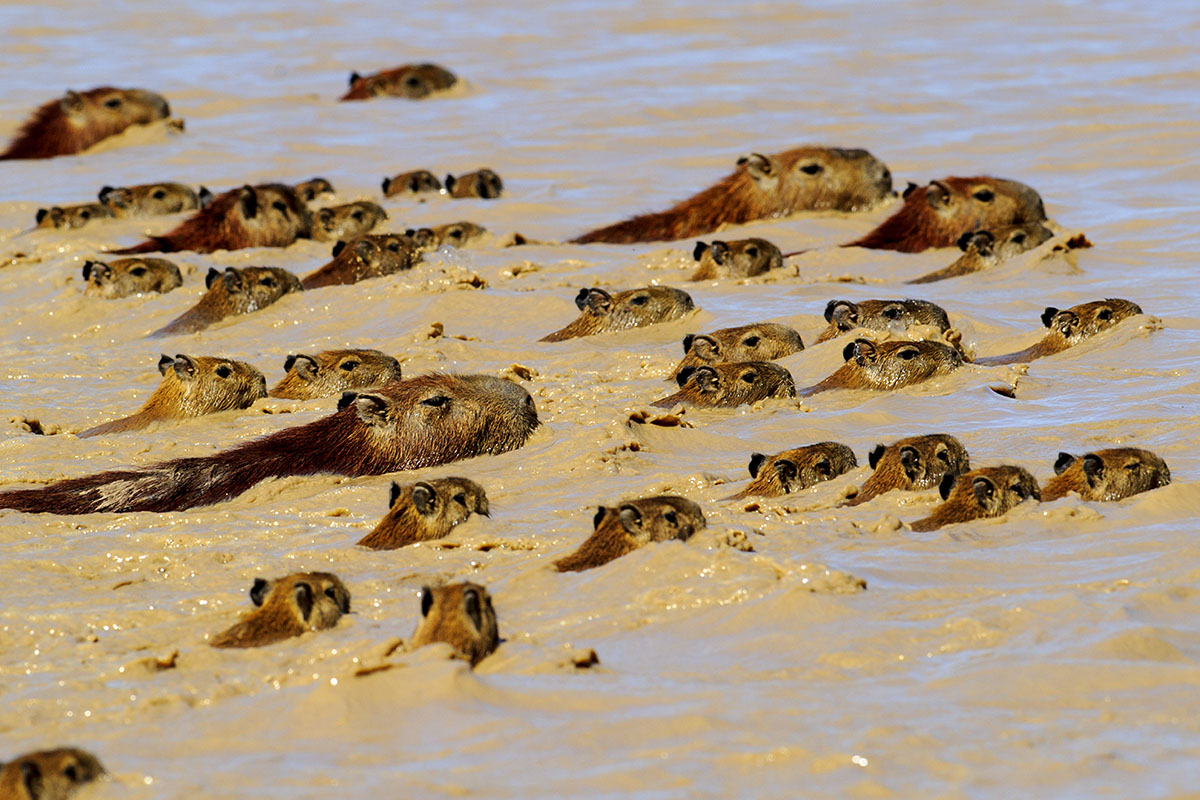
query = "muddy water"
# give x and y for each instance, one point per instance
(1053, 653)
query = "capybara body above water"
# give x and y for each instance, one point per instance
(981, 493)
(347, 221)
(79, 120)
(231, 293)
(287, 607)
(425, 511)
(370, 256)
(1107, 475)
(811, 178)
(482, 183)
(312, 188)
(460, 615)
(738, 258)
(126, 276)
(48, 774)
(192, 387)
(1070, 327)
(414, 81)
(331, 372)
(883, 366)
(454, 234)
(419, 422)
(153, 199)
(796, 469)
(418, 181)
(266, 215)
(939, 214)
(632, 524)
(985, 249)
(912, 464)
(729, 385)
(895, 316)
(760, 341)
(71, 216)
(602, 312)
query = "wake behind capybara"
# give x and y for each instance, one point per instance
(425, 511)
(1068, 328)
(1107, 475)
(633, 524)
(331, 372)
(232, 293)
(288, 607)
(912, 464)
(80, 120)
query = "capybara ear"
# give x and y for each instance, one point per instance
(937, 194)
(449, 182)
(683, 375)
(304, 599)
(631, 519)
(394, 494)
(909, 190)
(105, 191)
(259, 591)
(233, 280)
(947, 485)
(759, 166)
(306, 366)
(698, 252)
(387, 182)
(1048, 316)
(87, 268)
(1063, 461)
(978, 238)
(371, 408)
(600, 512)
(875, 454)
(354, 76)
(705, 347)
(165, 363)
(72, 103)
(786, 469)
(598, 300)
(1093, 468)
(213, 275)
(347, 398)
(426, 600)
(248, 201)
(31, 777)
(687, 340)
(325, 215)
(205, 196)
(473, 607)
(756, 462)
(41, 214)
(719, 251)
(424, 498)
(910, 459)
(863, 350)
(421, 236)
(707, 379)
(184, 366)
(984, 490)
(844, 308)
(365, 248)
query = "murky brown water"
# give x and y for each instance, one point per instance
(1053, 653)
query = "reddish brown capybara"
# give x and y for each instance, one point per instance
(346, 222)
(79, 120)
(418, 181)
(153, 199)
(232, 293)
(460, 615)
(912, 464)
(482, 183)
(797, 469)
(414, 81)
(895, 316)
(331, 372)
(1070, 327)
(425, 511)
(633, 524)
(883, 366)
(729, 385)
(982, 493)
(370, 256)
(1107, 475)
(287, 607)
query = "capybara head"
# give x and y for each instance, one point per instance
(347, 221)
(414, 81)
(1107, 475)
(797, 469)
(196, 385)
(981, 493)
(729, 385)
(454, 234)
(71, 216)
(371, 256)
(633, 308)
(426, 510)
(313, 188)
(632, 524)
(48, 774)
(331, 372)
(231, 293)
(740, 258)
(287, 607)
(482, 183)
(153, 199)
(1077, 323)
(912, 464)
(983, 249)
(460, 615)
(419, 181)
(126, 276)
(762, 341)
(81, 119)
(881, 315)
(883, 366)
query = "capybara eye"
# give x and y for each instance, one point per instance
(358, 215)
(752, 252)
(944, 455)
(1019, 491)
(268, 281)
(461, 498)
(113, 102)
(985, 195)
(751, 341)
(891, 312)
(138, 271)
(1133, 466)
(330, 593)
(640, 300)
(907, 355)
(158, 194)
(279, 206)
(223, 371)
(749, 377)
(456, 233)
(71, 773)
(349, 365)
(437, 401)
(413, 81)
(1104, 314)
(85, 214)
(394, 246)
(811, 169)
(1019, 238)
(671, 517)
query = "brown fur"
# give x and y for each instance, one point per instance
(912, 464)
(884, 366)
(895, 316)
(729, 385)
(1070, 327)
(231, 293)
(420, 422)
(71, 216)
(940, 213)
(985, 249)
(152, 199)
(347, 221)
(455, 234)
(126, 276)
(602, 312)
(371, 256)
(1107, 475)
(48, 774)
(332, 372)
(266, 215)
(460, 615)
(79, 120)
(761, 341)
(809, 178)
(979, 494)
(621, 530)
(294, 604)
(313, 188)
(192, 387)
(425, 511)
(797, 469)
(739, 258)
(419, 181)
(414, 81)
(482, 183)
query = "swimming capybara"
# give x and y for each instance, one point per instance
(482, 183)
(739, 258)
(71, 216)
(1070, 327)
(419, 181)
(633, 308)
(628, 526)
(461, 615)
(231, 293)
(985, 249)
(153, 199)
(1107, 475)
(425, 511)
(454, 234)
(940, 213)
(287, 607)
(844, 316)
(414, 81)
(419, 422)
(346, 222)
(370, 256)
(126, 276)
(332, 372)
(313, 188)
(79, 120)
(883, 366)
(761, 341)
(267, 215)
(979, 494)
(192, 387)
(912, 464)
(48, 774)
(729, 385)
(809, 178)
(797, 469)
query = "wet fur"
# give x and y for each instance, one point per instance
(729, 385)
(331, 372)
(1107, 475)
(51, 131)
(233, 293)
(912, 464)
(980, 494)
(879, 366)
(460, 615)
(295, 604)
(1069, 328)
(797, 469)
(425, 511)
(623, 529)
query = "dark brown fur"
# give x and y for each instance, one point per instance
(425, 511)
(419, 181)
(414, 81)
(979, 494)
(895, 316)
(295, 604)
(232, 293)
(985, 249)
(1107, 475)
(460, 615)
(371, 256)
(1070, 327)
(126, 276)
(602, 312)
(482, 183)
(912, 464)
(739, 258)
(632, 524)
(331, 372)
(152, 199)
(729, 385)
(71, 216)
(761, 341)
(347, 221)
(80, 120)
(891, 365)
(48, 774)
(797, 469)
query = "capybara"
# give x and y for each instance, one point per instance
(267, 215)
(192, 387)
(633, 308)
(332, 372)
(346, 222)
(809, 178)
(419, 181)
(425, 511)
(313, 188)
(287, 607)
(985, 249)
(895, 316)
(978, 494)
(460, 615)
(739, 258)
(48, 774)
(797, 469)
(482, 183)
(884, 366)
(79, 120)
(231, 293)
(628, 526)
(71, 216)
(153, 199)
(454, 234)
(940, 213)
(729, 385)
(912, 464)
(126, 276)
(419, 422)
(1107, 475)
(1070, 327)
(761, 341)
(414, 81)
(370, 256)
